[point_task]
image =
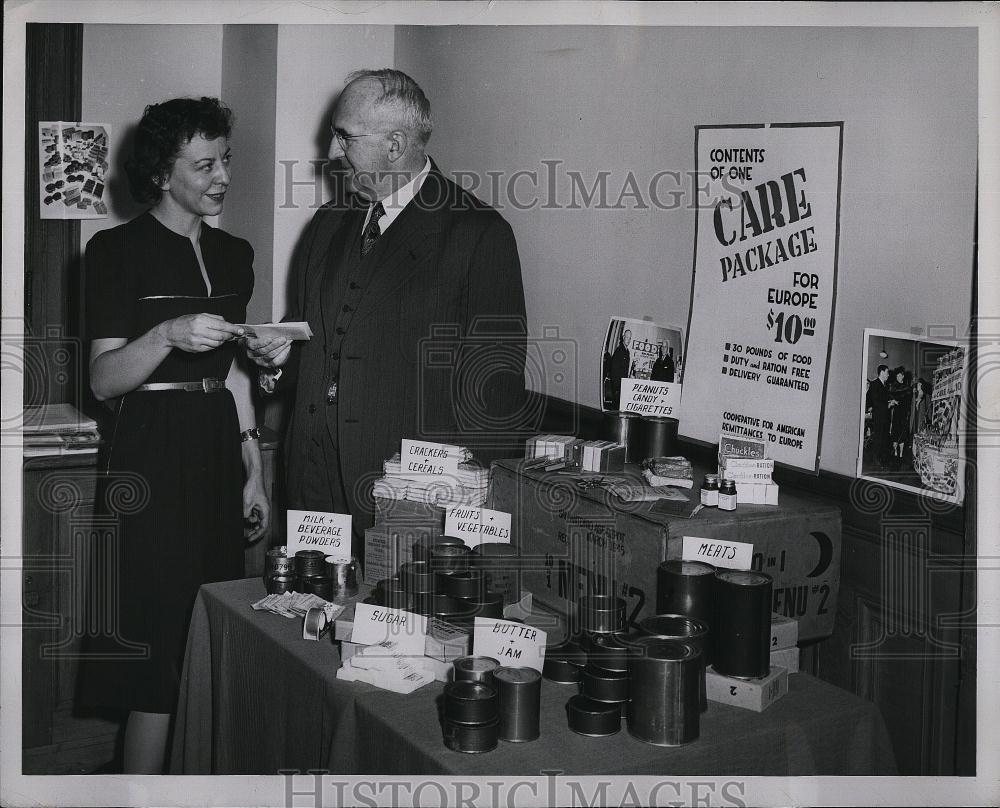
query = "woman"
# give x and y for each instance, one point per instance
(163, 293)
(921, 405)
(899, 409)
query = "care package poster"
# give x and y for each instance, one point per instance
(765, 280)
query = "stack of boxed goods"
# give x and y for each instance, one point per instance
(409, 509)
(784, 639)
(746, 463)
(468, 487)
(568, 452)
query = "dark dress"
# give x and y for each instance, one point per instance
(899, 416)
(172, 478)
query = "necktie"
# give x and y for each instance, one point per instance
(372, 230)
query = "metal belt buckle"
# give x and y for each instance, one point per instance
(211, 385)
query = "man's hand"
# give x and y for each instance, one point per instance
(256, 510)
(269, 353)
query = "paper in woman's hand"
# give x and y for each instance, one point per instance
(265, 331)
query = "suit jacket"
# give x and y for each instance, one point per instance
(436, 348)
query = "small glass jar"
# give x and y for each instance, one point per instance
(727, 495)
(710, 491)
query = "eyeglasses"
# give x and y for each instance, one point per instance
(344, 139)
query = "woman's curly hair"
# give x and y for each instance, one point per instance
(162, 133)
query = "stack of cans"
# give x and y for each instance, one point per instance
(730, 612)
(471, 717)
(279, 574)
(444, 581)
(310, 567)
(603, 678)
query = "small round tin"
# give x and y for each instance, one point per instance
(389, 592)
(420, 550)
(475, 669)
(489, 604)
(279, 584)
(471, 738)
(609, 651)
(563, 663)
(309, 563)
(318, 585)
(594, 719)
(416, 577)
(449, 609)
(602, 614)
(446, 557)
(462, 584)
(601, 684)
(470, 702)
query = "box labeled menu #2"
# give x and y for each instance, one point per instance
(578, 540)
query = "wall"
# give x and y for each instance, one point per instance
(312, 63)
(625, 99)
(249, 210)
(126, 67)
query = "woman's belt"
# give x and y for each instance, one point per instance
(203, 386)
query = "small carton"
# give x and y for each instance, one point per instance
(784, 631)
(786, 658)
(756, 493)
(750, 694)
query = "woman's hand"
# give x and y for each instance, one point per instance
(269, 353)
(197, 333)
(256, 509)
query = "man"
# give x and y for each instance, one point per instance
(877, 399)
(620, 366)
(415, 300)
(663, 367)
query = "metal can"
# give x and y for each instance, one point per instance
(475, 669)
(741, 647)
(664, 709)
(520, 693)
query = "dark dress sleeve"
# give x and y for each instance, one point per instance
(111, 288)
(245, 265)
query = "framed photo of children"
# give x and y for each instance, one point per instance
(913, 418)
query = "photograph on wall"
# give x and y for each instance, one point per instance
(641, 367)
(765, 280)
(912, 420)
(73, 164)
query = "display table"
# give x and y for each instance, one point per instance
(258, 699)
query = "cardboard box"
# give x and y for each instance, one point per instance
(398, 524)
(440, 668)
(784, 632)
(444, 641)
(756, 494)
(787, 658)
(576, 541)
(750, 694)
(381, 554)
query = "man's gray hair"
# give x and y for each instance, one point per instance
(403, 97)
